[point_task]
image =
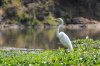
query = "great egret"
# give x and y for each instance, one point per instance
(64, 39)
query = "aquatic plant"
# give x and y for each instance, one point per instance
(58, 57)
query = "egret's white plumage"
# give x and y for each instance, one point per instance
(64, 39)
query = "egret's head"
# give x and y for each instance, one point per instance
(60, 20)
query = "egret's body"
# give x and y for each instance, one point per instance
(64, 39)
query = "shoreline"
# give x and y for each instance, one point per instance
(46, 26)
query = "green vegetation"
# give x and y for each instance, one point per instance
(83, 55)
(32, 12)
(27, 12)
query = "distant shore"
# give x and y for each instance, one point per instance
(69, 26)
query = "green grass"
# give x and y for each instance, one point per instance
(84, 54)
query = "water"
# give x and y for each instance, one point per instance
(44, 38)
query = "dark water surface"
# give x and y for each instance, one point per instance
(45, 38)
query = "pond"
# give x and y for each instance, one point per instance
(41, 38)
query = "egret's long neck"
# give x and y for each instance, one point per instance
(58, 28)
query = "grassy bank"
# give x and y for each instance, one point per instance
(86, 53)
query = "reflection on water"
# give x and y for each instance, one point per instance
(42, 38)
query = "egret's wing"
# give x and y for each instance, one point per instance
(64, 39)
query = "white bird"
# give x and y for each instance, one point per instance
(64, 39)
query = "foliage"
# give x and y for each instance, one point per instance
(26, 12)
(9, 3)
(58, 57)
